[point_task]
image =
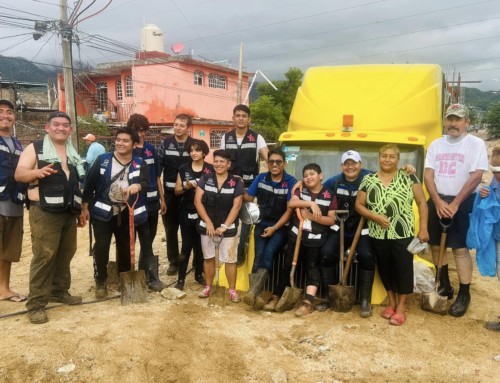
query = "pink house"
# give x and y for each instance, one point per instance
(160, 86)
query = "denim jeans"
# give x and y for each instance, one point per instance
(267, 248)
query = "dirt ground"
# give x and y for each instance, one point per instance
(187, 341)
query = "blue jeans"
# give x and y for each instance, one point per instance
(267, 248)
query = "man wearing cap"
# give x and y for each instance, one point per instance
(12, 196)
(95, 150)
(53, 169)
(454, 166)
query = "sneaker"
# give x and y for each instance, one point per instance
(37, 316)
(180, 285)
(234, 297)
(200, 280)
(101, 291)
(172, 269)
(205, 293)
(156, 285)
(67, 299)
(305, 309)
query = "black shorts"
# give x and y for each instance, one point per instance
(457, 232)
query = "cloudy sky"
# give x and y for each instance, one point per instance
(463, 36)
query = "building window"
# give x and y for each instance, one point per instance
(102, 96)
(215, 138)
(198, 78)
(129, 87)
(216, 81)
(119, 90)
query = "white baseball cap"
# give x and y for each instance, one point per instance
(350, 155)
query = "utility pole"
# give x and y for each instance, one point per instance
(69, 90)
(240, 76)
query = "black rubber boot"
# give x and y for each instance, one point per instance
(151, 269)
(329, 276)
(365, 293)
(461, 304)
(445, 288)
(256, 286)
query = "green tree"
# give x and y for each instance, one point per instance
(493, 121)
(268, 118)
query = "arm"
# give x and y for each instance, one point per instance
(326, 220)
(418, 193)
(296, 202)
(202, 212)
(140, 187)
(469, 187)
(442, 208)
(251, 193)
(269, 231)
(179, 188)
(26, 170)
(232, 216)
(163, 204)
(361, 208)
(263, 152)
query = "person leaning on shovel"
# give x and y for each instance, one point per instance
(385, 199)
(54, 170)
(113, 178)
(454, 166)
(218, 201)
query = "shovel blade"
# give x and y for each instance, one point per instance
(291, 296)
(341, 298)
(133, 287)
(217, 296)
(434, 303)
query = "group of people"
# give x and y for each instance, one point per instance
(204, 200)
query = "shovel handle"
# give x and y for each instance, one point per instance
(296, 250)
(131, 229)
(353, 250)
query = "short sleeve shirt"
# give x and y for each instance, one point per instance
(394, 201)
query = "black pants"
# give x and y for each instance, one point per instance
(171, 221)
(190, 242)
(330, 251)
(119, 227)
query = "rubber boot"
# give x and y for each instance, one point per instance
(271, 305)
(151, 269)
(329, 276)
(461, 304)
(365, 292)
(445, 288)
(259, 279)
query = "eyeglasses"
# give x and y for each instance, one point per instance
(277, 162)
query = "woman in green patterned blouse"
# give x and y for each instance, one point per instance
(385, 199)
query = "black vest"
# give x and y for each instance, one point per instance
(58, 193)
(272, 200)
(173, 158)
(244, 159)
(317, 236)
(218, 204)
(9, 188)
(346, 192)
(187, 174)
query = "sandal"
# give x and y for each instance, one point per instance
(397, 319)
(387, 313)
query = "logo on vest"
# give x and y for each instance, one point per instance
(148, 153)
(106, 162)
(210, 182)
(232, 183)
(206, 171)
(230, 139)
(172, 147)
(284, 185)
(327, 195)
(251, 138)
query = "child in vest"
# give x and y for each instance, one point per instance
(317, 208)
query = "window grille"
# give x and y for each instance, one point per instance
(216, 81)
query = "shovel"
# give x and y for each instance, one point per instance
(432, 301)
(218, 293)
(132, 283)
(292, 295)
(341, 297)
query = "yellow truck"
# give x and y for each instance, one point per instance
(363, 107)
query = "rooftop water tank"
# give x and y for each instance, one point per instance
(151, 38)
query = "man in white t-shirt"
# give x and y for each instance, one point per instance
(245, 147)
(454, 166)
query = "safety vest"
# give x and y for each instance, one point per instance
(218, 203)
(187, 174)
(101, 208)
(244, 157)
(317, 236)
(272, 196)
(57, 192)
(9, 188)
(173, 158)
(346, 192)
(148, 155)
